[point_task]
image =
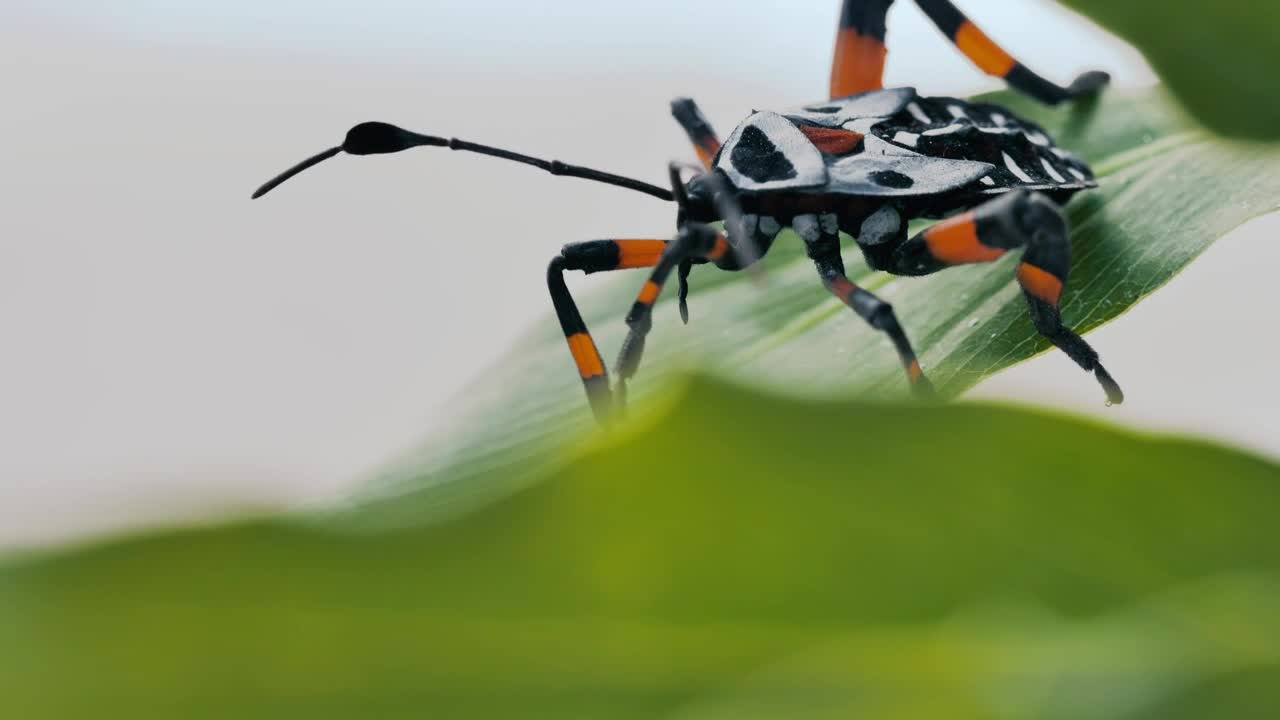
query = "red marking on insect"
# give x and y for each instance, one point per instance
(833, 141)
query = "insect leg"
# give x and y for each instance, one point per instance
(858, 63)
(993, 60)
(694, 241)
(698, 243)
(821, 237)
(695, 124)
(1015, 220)
(589, 257)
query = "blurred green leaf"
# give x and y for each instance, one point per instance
(1218, 58)
(695, 565)
(1168, 191)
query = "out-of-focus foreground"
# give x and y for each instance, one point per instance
(967, 562)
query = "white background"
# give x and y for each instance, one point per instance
(168, 348)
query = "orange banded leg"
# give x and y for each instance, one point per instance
(704, 139)
(993, 60)
(879, 314)
(695, 241)
(1015, 220)
(858, 62)
(822, 243)
(589, 257)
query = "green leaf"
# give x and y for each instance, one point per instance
(959, 562)
(1168, 190)
(1219, 58)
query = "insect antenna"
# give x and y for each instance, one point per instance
(378, 138)
(316, 159)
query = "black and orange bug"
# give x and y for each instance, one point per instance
(864, 162)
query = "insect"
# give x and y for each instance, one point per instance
(864, 162)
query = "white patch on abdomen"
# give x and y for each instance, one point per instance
(1017, 171)
(1053, 172)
